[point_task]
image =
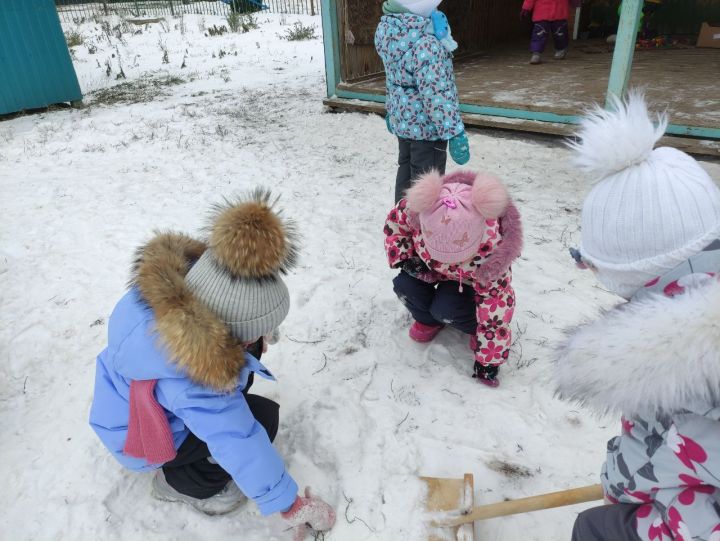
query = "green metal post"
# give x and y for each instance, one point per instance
(331, 33)
(624, 48)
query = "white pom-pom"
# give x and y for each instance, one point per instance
(611, 140)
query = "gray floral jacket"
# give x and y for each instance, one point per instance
(657, 362)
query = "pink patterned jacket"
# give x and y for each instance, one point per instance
(488, 273)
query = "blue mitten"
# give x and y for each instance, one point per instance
(460, 149)
(440, 28)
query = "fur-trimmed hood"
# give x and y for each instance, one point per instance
(248, 240)
(196, 339)
(658, 354)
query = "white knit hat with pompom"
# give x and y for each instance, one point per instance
(651, 209)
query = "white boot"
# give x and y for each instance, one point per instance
(535, 58)
(561, 54)
(227, 500)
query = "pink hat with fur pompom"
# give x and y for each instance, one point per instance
(452, 211)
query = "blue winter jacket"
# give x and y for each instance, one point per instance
(422, 102)
(222, 419)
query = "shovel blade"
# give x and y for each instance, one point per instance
(447, 494)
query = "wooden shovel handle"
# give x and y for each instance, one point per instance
(524, 505)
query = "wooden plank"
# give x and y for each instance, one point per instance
(683, 81)
(472, 120)
(690, 145)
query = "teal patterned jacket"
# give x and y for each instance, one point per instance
(422, 102)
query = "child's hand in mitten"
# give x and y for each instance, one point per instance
(309, 512)
(525, 13)
(460, 149)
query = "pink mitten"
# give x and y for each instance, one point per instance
(309, 513)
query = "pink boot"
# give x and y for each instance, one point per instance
(424, 333)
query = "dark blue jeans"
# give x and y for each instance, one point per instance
(437, 304)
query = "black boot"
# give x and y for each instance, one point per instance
(487, 374)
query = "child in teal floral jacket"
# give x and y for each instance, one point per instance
(414, 41)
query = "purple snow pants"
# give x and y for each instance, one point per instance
(541, 29)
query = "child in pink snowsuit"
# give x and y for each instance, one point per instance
(549, 17)
(454, 238)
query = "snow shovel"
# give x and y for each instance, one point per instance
(454, 496)
(461, 515)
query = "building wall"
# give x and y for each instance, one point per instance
(477, 25)
(35, 65)
(685, 16)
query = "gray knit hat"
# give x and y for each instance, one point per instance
(238, 276)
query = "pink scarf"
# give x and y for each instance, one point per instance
(148, 434)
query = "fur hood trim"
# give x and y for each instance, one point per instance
(658, 354)
(196, 339)
(507, 251)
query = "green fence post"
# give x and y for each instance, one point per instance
(137, 9)
(172, 9)
(624, 49)
(331, 43)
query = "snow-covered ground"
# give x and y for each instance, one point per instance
(364, 409)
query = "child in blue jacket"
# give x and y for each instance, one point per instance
(414, 41)
(184, 344)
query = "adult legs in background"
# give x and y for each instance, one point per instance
(416, 158)
(192, 474)
(606, 523)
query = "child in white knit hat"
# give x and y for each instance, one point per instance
(651, 232)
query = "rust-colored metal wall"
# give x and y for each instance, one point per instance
(476, 25)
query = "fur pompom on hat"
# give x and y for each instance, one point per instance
(650, 209)
(250, 239)
(238, 276)
(452, 211)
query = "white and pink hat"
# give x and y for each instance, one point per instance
(651, 209)
(452, 211)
